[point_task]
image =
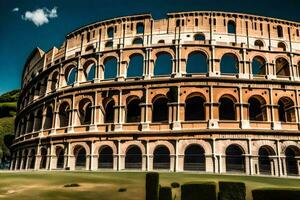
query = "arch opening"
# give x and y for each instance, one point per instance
(60, 154)
(109, 112)
(235, 161)
(80, 158)
(135, 66)
(105, 160)
(257, 109)
(160, 110)
(259, 66)
(194, 108)
(161, 158)
(110, 68)
(226, 109)
(194, 158)
(286, 110)
(282, 67)
(163, 64)
(133, 113)
(264, 161)
(229, 64)
(196, 63)
(291, 161)
(133, 158)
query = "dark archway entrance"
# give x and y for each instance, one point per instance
(194, 158)
(80, 155)
(235, 161)
(133, 158)
(105, 160)
(161, 158)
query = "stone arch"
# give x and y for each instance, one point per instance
(110, 64)
(60, 156)
(197, 62)
(133, 157)
(99, 145)
(194, 157)
(183, 144)
(286, 110)
(160, 109)
(282, 67)
(282, 46)
(264, 160)
(199, 37)
(259, 43)
(53, 80)
(137, 41)
(49, 116)
(257, 110)
(235, 159)
(108, 105)
(89, 69)
(105, 157)
(135, 65)
(194, 107)
(163, 64)
(291, 162)
(259, 66)
(161, 157)
(70, 72)
(24, 158)
(80, 155)
(85, 111)
(169, 145)
(279, 31)
(38, 119)
(227, 110)
(44, 154)
(229, 64)
(64, 114)
(127, 144)
(31, 162)
(140, 28)
(231, 27)
(133, 110)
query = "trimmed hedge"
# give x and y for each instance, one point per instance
(152, 186)
(232, 191)
(276, 194)
(165, 193)
(203, 191)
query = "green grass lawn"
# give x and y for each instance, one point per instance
(105, 185)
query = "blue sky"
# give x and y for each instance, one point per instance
(19, 35)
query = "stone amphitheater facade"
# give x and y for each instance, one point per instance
(197, 91)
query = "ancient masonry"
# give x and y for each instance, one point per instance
(208, 92)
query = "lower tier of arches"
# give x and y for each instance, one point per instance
(243, 156)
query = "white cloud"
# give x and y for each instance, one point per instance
(15, 9)
(40, 16)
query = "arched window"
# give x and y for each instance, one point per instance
(43, 161)
(264, 161)
(286, 110)
(135, 66)
(229, 64)
(133, 158)
(109, 44)
(30, 123)
(258, 43)
(194, 108)
(133, 112)
(291, 161)
(60, 155)
(161, 42)
(194, 158)
(38, 120)
(89, 71)
(196, 63)
(106, 159)
(110, 68)
(32, 159)
(281, 46)
(235, 161)
(160, 110)
(25, 157)
(64, 112)
(258, 66)
(226, 109)
(161, 158)
(282, 67)
(109, 112)
(110, 32)
(137, 41)
(163, 64)
(85, 111)
(71, 75)
(49, 118)
(257, 109)
(139, 28)
(199, 37)
(80, 157)
(54, 81)
(231, 27)
(279, 31)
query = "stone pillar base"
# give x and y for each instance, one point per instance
(214, 74)
(271, 76)
(245, 76)
(145, 126)
(93, 128)
(53, 131)
(176, 125)
(245, 124)
(212, 124)
(70, 129)
(118, 127)
(276, 125)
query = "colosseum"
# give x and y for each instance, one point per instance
(210, 92)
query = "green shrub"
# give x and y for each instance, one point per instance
(203, 191)
(232, 191)
(72, 185)
(122, 190)
(175, 185)
(165, 193)
(276, 194)
(152, 186)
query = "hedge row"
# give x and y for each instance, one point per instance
(165, 193)
(276, 194)
(232, 191)
(152, 186)
(195, 191)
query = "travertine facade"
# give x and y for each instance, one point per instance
(204, 91)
